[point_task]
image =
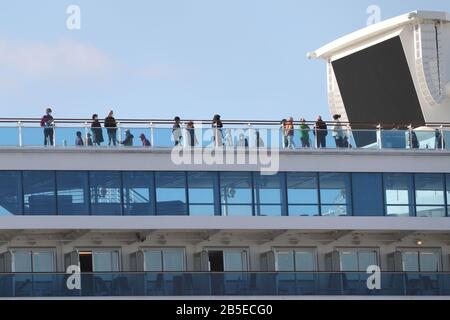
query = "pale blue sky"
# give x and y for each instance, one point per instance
(193, 58)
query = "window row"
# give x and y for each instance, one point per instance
(221, 260)
(223, 193)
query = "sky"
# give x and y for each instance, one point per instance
(243, 59)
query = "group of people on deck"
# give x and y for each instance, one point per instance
(320, 132)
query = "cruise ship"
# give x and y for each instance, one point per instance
(240, 214)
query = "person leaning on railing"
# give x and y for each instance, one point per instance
(304, 133)
(47, 122)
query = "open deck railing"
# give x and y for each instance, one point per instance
(26, 132)
(223, 284)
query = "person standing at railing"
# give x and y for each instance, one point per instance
(321, 132)
(191, 138)
(48, 123)
(79, 139)
(217, 126)
(304, 133)
(176, 131)
(338, 132)
(111, 128)
(97, 131)
(283, 131)
(289, 133)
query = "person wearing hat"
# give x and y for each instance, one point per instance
(47, 122)
(128, 142)
(176, 131)
(144, 140)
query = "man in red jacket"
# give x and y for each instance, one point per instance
(47, 123)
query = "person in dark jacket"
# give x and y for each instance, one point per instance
(47, 122)
(217, 126)
(176, 131)
(321, 133)
(191, 139)
(128, 142)
(96, 129)
(111, 128)
(79, 139)
(145, 141)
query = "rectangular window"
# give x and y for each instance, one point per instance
(398, 193)
(170, 193)
(106, 195)
(367, 194)
(73, 192)
(421, 260)
(236, 193)
(202, 188)
(357, 260)
(269, 195)
(430, 195)
(296, 260)
(137, 193)
(33, 260)
(335, 194)
(105, 260)
(161, 260)
(303, 194)
(39, 192)
(10, 193)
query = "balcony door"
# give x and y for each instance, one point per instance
(227, 260)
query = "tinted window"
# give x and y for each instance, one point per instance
(106, 195)
(73, 194)
(398, 194)
(236, 193)
(137, 193)
(39, 192)
(202, 187)
(10, 193)
(367, 194)
(335, 194)
(269, 194)
(170, 193)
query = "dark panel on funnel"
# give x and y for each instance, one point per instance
(377, 87)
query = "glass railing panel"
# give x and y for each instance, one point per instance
(9, 135)
(36, 136)
(427, 139)
(70, 136)
(363, 139)
(394, 139)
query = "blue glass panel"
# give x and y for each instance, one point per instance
(302, 188)
(335, 194)
(137, 193)
(398, 193)
(10, 193)
(170, 193)
(367, 194)
(303, 210)
(73, 192)
(106, 195)
(39, 192)
(236, 193)
(201, 187)
(429, 189)
(269, 194)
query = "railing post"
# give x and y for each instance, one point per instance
(183, 135)
(348, 135)
(19, 126)
(410, 132)
(250, 136)
(119, 131)
(86, 131)
(442, 137)
(152, 133)
(54, 133)
(316, 138)
(379, 140)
